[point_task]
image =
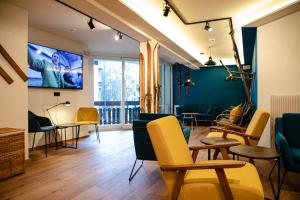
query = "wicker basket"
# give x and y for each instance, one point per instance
(11, 152)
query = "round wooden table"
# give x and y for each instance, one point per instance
(222, 145)
(256, 152)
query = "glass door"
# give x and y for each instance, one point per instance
(116, 92)
(131, 92)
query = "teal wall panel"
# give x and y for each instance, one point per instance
(210, 87)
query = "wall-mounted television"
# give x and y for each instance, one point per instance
(54, 68)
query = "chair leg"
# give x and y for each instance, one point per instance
(55, 133)
(132, 174)
(33, 141)
(97, 133)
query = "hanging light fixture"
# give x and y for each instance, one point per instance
(210, 61)
(188, 83)
(207, 27)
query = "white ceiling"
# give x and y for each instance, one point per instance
(193, 38)
(137, 19)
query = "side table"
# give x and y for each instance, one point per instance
(225, 142)
(257, 152)
(75, 129)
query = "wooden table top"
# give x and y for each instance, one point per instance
(220, 140)
(72, 124)
(191, 113)
(254, 152)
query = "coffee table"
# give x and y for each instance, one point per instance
(256, 152)
(225, 144)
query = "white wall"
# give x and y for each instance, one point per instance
(39, 99)
(278, 56)
(14, 98)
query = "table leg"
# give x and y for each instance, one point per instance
(217, 151)
(224, 153)
(55, 132)
(65, 130)
(46, 143)
(77, 128)
(279, 183)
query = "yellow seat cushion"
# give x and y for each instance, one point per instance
(231, 136)
(244, 183)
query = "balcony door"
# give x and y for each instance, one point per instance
(116, 92)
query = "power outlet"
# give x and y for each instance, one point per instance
(56, 94)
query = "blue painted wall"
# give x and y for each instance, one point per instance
(250, 56)
(210, 88)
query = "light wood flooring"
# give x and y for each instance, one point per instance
(101, 171)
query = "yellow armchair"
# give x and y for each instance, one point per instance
(88, 116)
(249, 135)
(190, 180)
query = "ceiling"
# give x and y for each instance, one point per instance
(71, 24)
(193, 38)
(143, 21)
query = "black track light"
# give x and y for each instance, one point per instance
(207, 27)
(91, 24)
(118, 36)
(166, 9)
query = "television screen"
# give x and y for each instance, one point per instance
(53, 68)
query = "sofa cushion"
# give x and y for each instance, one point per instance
(291, 128)
(237, 110)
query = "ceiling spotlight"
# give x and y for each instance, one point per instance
(210, 61)
(166, 9)
(91, 24)
(118, 36)
(207, 27)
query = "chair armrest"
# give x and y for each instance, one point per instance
(212, 146)
(228, 125)
(195, 149)
(284, 149)
(206, 165)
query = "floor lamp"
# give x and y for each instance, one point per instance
(67, 103)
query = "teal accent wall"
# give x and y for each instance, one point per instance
(210, 88)
(250, 56)
(254, 70)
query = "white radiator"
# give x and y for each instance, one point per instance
(282, 104)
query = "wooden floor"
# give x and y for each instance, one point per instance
(100, 171)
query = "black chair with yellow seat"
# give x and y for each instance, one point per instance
(88, 116)
(189, 180)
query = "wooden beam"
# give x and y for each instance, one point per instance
(5, 75)
(14, 65)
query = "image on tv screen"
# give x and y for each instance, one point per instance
(53, 68)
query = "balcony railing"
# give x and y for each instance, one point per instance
(110, 111)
